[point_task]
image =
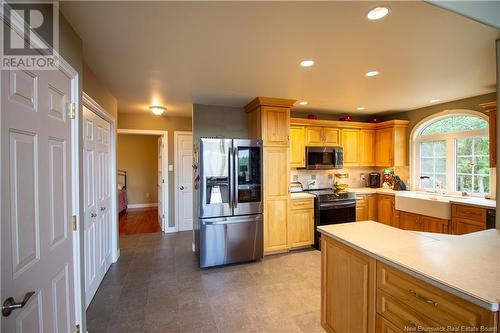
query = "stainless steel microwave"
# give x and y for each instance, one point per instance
(324, 158)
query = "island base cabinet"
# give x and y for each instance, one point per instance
(347, 289)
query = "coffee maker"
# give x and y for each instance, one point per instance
(374, 179)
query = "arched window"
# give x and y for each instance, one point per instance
(451, 153)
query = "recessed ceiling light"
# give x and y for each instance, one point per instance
(158, 110)
(360, 108)
(307, 63)
(434, 100)
(377, 13)
(371, 73)
(303, 102)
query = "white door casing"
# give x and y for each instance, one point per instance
(36, 229)
(183, 180)
(160, 181)
(97, 201)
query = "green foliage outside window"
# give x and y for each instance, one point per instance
(455, 124)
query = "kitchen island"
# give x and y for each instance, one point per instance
(380, 278)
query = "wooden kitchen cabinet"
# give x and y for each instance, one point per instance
(297, 147)
(276, 224)
(301, 224)
(366, 207)
(269, 120)
(417, 222)
(385, 209)
(322, 136)
(467, 219)
(391, 145)
(350, 144)
(366, 148)
(347, 289)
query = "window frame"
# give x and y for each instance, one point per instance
(450, 139)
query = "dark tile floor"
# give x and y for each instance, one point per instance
(156, 286)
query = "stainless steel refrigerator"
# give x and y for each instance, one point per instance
(230, 223)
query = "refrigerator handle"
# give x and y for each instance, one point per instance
(230, 175)
(235, 177)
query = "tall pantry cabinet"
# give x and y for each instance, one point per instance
(269, 120)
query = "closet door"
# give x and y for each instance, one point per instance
(97, 201)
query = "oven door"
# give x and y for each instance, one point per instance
(333, 213)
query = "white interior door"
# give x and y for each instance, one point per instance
(36, 229)
(161, 183)
(184, 181)
(97, 200)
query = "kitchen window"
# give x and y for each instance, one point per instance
(451, 153)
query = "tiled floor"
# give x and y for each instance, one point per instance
(156, 286)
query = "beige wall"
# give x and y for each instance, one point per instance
(138, 155)
(170, 124)
(93, 87)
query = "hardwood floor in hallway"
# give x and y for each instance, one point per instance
(139, 221)
(156, 286)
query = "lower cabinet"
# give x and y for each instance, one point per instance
(361, 294)
(347, 289)
(366, 207)
(385, 209)
(416, 222)
(301, 223)
(275, 226)
(467, 219)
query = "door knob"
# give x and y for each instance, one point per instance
(181, 188)
(103, 209)
(93, 215)
(10, 304)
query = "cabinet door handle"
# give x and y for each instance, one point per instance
(422, 298)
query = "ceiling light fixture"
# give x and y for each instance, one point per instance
(434, 100)
(158, 110)
(303, 102)
(371, 73)
(377, 13)
(360, 108)
(307, 63)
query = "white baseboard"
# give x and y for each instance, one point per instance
(145, 205)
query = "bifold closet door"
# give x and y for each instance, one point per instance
(97, 200)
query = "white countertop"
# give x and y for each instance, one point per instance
(369, 190)
(301, 195)
(467, 266)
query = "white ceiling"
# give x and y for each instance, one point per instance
(226, 53)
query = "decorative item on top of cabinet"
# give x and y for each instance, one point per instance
(297, 147)
(467, 219)
(301, 224)
(348, 289)
(491, 108)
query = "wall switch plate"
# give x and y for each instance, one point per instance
(330, 176)
(295, 178)
(313, 177)
(170, 167)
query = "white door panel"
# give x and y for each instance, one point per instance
(184, 175)
(37, 245)
(97, 175)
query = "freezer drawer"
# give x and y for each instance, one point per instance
(230, 240)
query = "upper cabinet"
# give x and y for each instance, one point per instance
(322, 136)
(297, 147)
(350, 144)
(269, 120)
(364, 144)
(491, 108)
(391, 144)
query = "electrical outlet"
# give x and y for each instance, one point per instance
(313, 177)
(295, 178)
(330, 176)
